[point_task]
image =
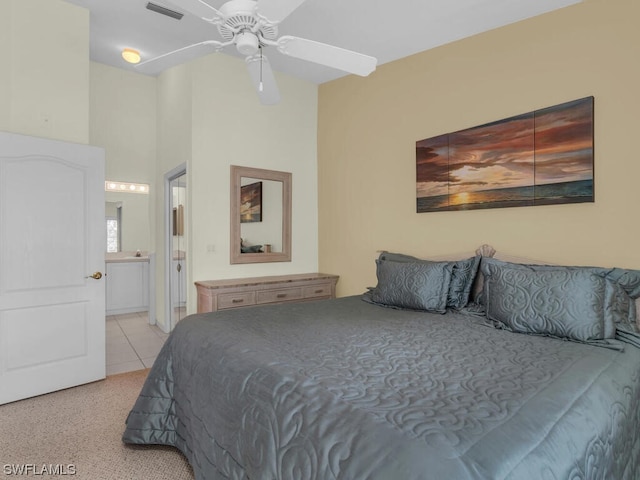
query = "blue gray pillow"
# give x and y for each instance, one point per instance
(629, 280)
(463, 273)
(581, 303)
(415, 286)
(567, 303)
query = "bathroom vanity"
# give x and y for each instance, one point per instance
(127, 283)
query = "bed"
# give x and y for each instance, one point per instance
(468, 369)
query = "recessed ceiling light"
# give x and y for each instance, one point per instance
(130, 55)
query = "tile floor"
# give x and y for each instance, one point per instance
(132, 344)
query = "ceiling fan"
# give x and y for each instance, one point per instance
(252, 25)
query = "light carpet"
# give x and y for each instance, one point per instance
(79, 430)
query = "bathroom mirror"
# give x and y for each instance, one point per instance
(127, 222)
(260, 215)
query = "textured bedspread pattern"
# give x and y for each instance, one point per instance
(344, 389)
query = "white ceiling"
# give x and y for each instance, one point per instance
(386, 30)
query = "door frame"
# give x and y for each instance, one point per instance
(171, 175)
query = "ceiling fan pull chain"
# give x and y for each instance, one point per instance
(260, 85)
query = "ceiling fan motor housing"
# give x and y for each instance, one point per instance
(240, 24)
(247, 43)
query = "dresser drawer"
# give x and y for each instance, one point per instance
(317, 291)
(279, 295)
(233, 300)
(244, 292)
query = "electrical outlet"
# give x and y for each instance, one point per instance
(211, 248)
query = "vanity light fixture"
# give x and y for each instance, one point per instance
(130, 55)
(126, 187)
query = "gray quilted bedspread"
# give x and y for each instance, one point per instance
(344, 389)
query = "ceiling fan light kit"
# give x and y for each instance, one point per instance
(247, 43)
(251, 25)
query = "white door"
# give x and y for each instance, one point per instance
(52, 240)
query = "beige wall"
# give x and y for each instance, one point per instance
(44, 69)
(123, 122)
(209, 116)
(368, 129)
(174, 149)
(231, 127)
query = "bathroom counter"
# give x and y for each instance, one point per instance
(121, 257)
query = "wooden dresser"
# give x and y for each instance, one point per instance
(216, 295)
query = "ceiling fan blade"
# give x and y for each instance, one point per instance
(277, 10)
(263, 79)
(158, 64)
(199, 9)
(328, 55)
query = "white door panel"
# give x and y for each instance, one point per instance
(47, 238)
(52, 238)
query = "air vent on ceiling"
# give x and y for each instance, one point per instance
(164, 11)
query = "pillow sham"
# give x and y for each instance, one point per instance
(629, 280)
(463, 273)
(485, 262)
(561, 302)
(618, 307)
(627, 283)
(415, 286)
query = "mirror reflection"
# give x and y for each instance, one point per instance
(127, 222)
(113, 215)
(260, 215)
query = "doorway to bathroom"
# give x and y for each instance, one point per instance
(176, 245)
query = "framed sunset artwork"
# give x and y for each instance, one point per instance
(543, 157)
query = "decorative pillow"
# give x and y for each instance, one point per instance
(485, 262)
(416, 285)
(623, 311)
(562, 302)
(478, 292)
(618, 307)
(627, 279)
(462, 275)
(629, 331)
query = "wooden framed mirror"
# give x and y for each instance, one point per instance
(260, 215)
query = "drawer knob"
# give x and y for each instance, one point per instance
(281, 295)
(319, 291)
(237, 300)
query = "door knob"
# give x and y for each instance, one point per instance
(96, 276)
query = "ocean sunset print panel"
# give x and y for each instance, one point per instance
(538, 158)
(564, 153)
